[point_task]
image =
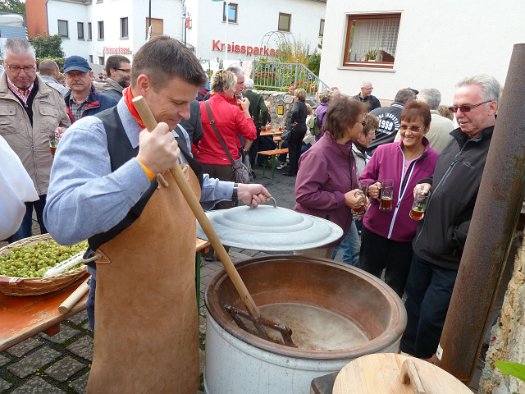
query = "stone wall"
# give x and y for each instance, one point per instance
(508, 335)
(276, 99)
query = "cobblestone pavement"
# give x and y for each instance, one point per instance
(60, 363)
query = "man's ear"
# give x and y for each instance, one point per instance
(142, 85)
(493, 108)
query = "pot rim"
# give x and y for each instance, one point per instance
(391, 334)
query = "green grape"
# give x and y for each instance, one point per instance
(33, 261)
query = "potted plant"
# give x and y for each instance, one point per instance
(371, 55)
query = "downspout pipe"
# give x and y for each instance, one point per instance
(494, 220)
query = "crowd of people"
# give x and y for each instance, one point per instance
(103, 173)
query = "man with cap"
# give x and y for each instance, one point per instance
(82, 100)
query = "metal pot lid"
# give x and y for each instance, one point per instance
(271, 229)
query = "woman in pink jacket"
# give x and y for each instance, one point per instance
(387, 235)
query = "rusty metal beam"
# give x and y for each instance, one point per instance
(490, 234)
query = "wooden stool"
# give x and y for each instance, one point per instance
(272, 155)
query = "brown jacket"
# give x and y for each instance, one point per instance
(31, 144)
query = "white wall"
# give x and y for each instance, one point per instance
(255, 19)
(73, 13)
(439, 43)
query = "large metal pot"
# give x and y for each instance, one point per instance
(239, 362)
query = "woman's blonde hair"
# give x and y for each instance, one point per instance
(222, 80)
(309, 109)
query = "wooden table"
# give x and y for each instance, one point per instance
(23, 317)
(271, 133)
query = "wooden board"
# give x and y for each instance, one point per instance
(381, 373)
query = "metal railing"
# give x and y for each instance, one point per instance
(286, 77)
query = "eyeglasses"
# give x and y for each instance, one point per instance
(123, 70)
(466, 107)
(17, 69)
(414, 129)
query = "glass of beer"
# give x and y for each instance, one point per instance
(362, 194)
(419, 205)
(53, 145)
(386, 195)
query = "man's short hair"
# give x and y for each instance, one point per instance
(18, 47)
(430, 96)
(366, 83)
(404, 95)
(236, 70)
(248, 82)
(47, 67)
(163, 58)
(114, 62)
(489, 85)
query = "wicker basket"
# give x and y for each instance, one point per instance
(36, 286)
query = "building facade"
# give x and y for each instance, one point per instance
(409, 43)
(229, 31)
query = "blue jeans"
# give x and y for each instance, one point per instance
(25, 229)
(429, 289)
(350, 246)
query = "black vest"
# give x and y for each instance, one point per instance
(120, 151)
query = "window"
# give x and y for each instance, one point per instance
(101, 60)
(285, 21)
(157, 27)
(232, 12)
(63, 29)
(371, 40)
(90, 32)
(100, 30)
(80, 30)
(321, 28)
(123, 27)
(91, 58)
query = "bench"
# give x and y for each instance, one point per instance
(271, 155)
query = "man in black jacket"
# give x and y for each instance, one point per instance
(259, 113)
(441, 236)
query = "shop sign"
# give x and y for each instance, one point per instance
(247, 50)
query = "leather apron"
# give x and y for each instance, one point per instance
(146, 327)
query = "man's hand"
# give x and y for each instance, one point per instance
(158, 149)
(253, 194)
(424, 188)
(245, 103)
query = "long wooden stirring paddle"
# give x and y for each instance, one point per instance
(150, 122)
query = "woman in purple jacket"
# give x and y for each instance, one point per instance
(387, 236)
(326, 184)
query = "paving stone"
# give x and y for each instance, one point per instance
(80, 384)
(22, 348)
(4, 360)
(82, 347)
(36, 385)
(64, 335)
(33, 362)
(63, 369)
(78, 318)
(4, 385)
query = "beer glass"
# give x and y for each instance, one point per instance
(363, 192)
(53, 145)
(419, 205)
(386, 195)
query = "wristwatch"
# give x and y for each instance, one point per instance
(235, 197)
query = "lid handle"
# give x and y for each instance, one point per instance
(410, 376)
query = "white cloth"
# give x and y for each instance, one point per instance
(16, 188)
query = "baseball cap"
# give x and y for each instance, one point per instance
(76, 63)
